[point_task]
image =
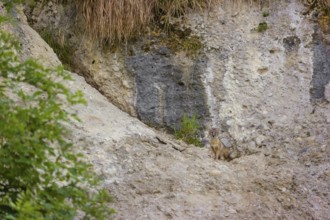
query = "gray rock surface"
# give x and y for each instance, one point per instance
(321, 68)
(245, 82)
(263, 83)
(102, 68)
(166, 89)
(261, 90)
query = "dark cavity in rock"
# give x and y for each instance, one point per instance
(291, 43)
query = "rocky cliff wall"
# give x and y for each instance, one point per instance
(246, 80)
(153, 176)
(168, 87)
(261, 78)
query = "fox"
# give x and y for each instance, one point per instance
(219, 150)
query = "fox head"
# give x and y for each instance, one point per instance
(213, 132)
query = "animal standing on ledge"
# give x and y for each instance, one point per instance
(219, 150)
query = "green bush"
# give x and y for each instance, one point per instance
(188, 131)
(40, 175)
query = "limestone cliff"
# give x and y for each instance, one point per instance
(268, 91)
(239, 81)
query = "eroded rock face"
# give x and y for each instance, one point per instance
(245, 81)
(102, 67)
(263, 82)
(107, 72)
(158, 86)
(168, 87)
(321, 68)
(152, 176)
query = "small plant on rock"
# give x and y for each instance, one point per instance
(265, 14)
(262, 27)
(188, 132)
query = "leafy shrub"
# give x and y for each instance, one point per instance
(188, 131)
(40, 175)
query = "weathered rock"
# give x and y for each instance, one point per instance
(291, 44)
(102, 67)
(226, 142)
(258, 77)
(259, 88)
(244, 78)
(321, 67)
(167, 89)
(156, 85)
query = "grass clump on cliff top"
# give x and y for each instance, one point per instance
(120, 20)
(115, 20)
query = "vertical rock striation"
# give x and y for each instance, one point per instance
(321, 60)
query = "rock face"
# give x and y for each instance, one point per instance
(157, 85)
(106, 71)
(321, 68)
(165, 89)
(245, 79)
(261, 80)
(258, 87)
(102, 67)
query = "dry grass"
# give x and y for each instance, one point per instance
(325, 4)
(119, 20)
(115, 20)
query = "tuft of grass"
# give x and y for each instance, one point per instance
(113, 21)
(59, 45)
(262, 27)
(325, 7)
(188, 131)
